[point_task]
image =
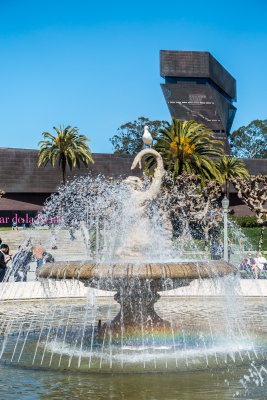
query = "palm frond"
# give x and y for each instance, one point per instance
(68, 147)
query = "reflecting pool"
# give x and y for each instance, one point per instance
(210, 358)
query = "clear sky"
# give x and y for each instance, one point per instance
(95, 64)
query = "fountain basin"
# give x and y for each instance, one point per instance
(162, 276)
(136, 287)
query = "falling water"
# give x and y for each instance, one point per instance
(205, 331)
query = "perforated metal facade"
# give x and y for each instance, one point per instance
(198, 87)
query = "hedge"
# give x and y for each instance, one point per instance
(245, 222)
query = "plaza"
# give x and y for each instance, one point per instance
(133, 173)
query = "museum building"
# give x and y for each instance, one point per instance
(196, 87)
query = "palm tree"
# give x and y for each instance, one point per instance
(68, 147)
(229, 168)
(187, 147)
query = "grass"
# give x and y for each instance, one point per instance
(8, 228)
(253, 235)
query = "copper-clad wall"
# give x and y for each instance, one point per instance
(19, 172)
(27, 186)
(198, 87)
(197, 64)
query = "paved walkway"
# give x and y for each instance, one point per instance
(49, 289)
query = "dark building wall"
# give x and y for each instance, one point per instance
(19, 172)
(27, 186)
(199, 64)
(256, 166)
(202, 104)
(23, 201)
(198, 87)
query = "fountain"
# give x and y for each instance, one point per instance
(136, 280)
(149, 327)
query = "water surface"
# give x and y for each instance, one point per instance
(224, 356)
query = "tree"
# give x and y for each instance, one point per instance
(186, 199)
(128, 140)
(250, 141)
(67, 147)
(254, 194)
(187, 147)
(230, 168)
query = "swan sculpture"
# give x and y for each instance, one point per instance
(138, 240)
(136, 183)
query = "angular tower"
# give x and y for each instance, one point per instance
(198, 87)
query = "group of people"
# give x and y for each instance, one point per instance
(250, 264)
(255, 265)
(19, 263)
(217, 249)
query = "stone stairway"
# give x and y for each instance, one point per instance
(67, 249)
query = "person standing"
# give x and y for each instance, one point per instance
(38, 254)
(21, 265)
(218, 250)
(28, 245)
(71, 232)
(230, 250)
(212, 248)
(3, 264)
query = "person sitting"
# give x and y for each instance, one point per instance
(260, 264)
(14, 226)
(247, 264)
(48, 258)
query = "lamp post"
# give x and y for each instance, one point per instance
(225, 205)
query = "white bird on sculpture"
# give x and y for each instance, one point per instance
(147, 137)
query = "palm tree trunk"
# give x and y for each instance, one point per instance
(180, 170)
(206, 233)
(227, 189)
(261, 236)
(63, 170)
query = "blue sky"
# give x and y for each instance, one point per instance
(95, 65)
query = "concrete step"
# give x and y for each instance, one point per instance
(65, 246)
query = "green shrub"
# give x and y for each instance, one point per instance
(245, 222)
